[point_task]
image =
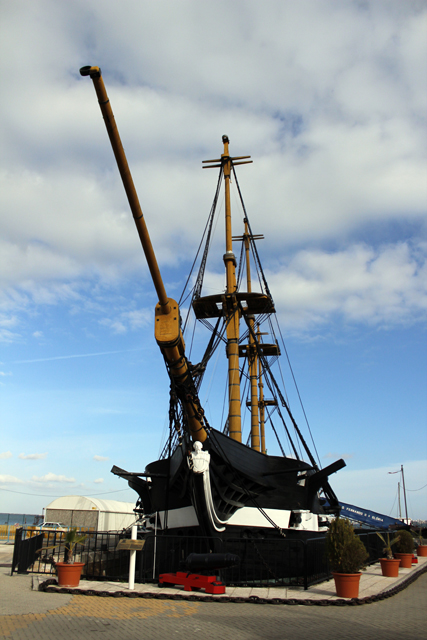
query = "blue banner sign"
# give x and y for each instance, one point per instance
(372, 518)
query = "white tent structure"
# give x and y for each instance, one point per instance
(92, 513)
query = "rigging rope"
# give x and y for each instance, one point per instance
(196, 290)
(267, 290)
(255, 251)
(200, 276)
(276, 434)
(299, 396)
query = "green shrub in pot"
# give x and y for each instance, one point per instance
(405, 543)
(345, 550)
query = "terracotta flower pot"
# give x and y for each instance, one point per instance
(390, 567)
(347, 584)
(405, 560)
(69, 574)
(422, 550)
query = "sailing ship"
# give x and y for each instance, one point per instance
(208, 481)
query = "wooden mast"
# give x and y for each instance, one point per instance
(232, 313)
(253, 354)
(167, 328)
(230, 301)
(261, 400)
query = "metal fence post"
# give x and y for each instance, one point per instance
(305, 565)
(132, 558)
(18, 533)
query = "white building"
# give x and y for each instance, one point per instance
(92, 513)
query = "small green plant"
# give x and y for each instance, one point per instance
(72, 539)
(418, 533)
(406, 542)
(345, 550)
(388, 544)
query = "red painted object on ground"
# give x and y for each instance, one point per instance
(192, 581)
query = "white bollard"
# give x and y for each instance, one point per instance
(132, 559)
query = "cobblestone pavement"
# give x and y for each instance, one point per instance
(53, 616)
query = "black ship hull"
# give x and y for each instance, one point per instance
(241, 489)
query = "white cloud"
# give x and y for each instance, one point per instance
(139, 318)
(387, 286)
(8, 336)
(384, 286)
(5, 455)
(134, 319)
(326, 97)
(52, 477)
(6, 479)
(68, 357)
(115, 325)
(337, 456)
(33, 456)
(101, 458)
(99, 481)
(6, 323)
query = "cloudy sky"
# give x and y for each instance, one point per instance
(329, 98)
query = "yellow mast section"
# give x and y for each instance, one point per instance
(253, 355)
(167, 323)
(261, 400)
(250, 351)
(230, 303)
(232, 311)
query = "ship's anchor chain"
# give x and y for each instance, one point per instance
(263, 560)
(51, 586)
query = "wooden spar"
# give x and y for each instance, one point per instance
(261, 399)
(253, 355)
(167, 318)
(138, 216)
(232, 311)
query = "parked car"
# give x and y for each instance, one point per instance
(53, 526)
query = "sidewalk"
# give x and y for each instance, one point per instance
(372, 584)
(153, 613)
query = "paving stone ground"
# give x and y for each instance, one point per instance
(27, 614)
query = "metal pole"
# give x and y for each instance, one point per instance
(398, 500)
(155, 546)
(132, 559)
(404, 494)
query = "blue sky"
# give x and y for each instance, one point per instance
(329, 99)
